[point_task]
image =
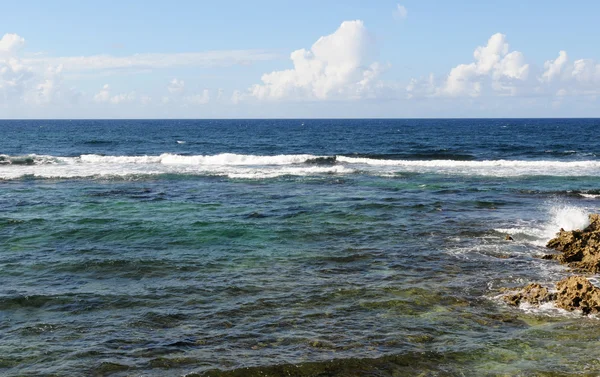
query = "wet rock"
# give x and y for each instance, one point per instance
(577, 293)
(533, 293)
(580, 249)
(572, 293)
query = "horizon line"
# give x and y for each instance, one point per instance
(309, 118)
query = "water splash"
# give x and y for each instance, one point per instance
(566, 217)
(558, 215)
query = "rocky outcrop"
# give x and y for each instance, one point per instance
(579, 249)
(533, 294)
(576, 292)
(572, 293)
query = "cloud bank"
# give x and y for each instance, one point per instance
(339, 67)
(497, 71)
(154, 60)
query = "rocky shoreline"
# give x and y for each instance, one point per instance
(580, 250)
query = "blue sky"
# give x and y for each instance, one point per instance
(229, 59)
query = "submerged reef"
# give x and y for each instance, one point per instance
(580, 250)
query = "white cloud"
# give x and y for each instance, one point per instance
(24, 84)
(146, 100)
(571, 78)
(236, 97)
(400, 12)
(21, 83)
(495, 69)
(154, 60)
(176, 86)
(199, 99)
(336, 67)
(105, 96)
(555, 67)
(50, 86)
(10, 43)
(492, 61)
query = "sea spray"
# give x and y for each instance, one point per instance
(567, 217)
(557, 215)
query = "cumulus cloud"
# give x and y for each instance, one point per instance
(494, 68)
(553, 68)
(492, 62)
(337, 66)
(22, 83)
(400, 12)
(581, 76)
(50, 85)
(105, 96)
(176, 86)
(237, 97)
(198, 99)
(10, 43)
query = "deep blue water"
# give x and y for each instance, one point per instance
(477, 139)
(170, 247)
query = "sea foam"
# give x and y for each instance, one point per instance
(225, 164)
(499, 168)
(257, 166)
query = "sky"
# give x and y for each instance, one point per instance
(72, 59)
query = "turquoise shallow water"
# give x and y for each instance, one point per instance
(248, 250)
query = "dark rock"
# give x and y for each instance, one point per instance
(550, 256)
(256, 215)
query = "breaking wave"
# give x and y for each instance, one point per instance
(257, 166)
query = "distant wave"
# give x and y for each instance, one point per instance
(500, 168)
(258, 166)
(422, 155)
(31, 159)
(231, 165)
(219, 159)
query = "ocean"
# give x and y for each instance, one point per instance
(290, 247)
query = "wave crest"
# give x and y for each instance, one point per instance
(261, 166)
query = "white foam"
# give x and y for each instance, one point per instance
(234, 159)
(589, 196)
(501, 168)
(226, 164)
(221, 164)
